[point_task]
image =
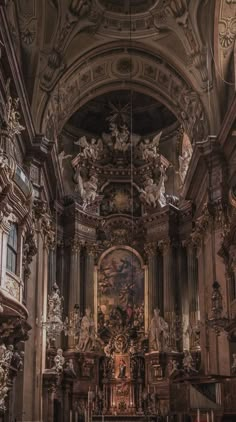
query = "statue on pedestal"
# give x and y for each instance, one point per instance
(158, 333)
(188, 363)
(59, 361)
(87, 339)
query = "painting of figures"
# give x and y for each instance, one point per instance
(120, 293)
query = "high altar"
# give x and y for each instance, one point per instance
(127, 324)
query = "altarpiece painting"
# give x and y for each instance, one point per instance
(120, 293)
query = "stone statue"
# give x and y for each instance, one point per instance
(233, 367)
(62, 156)
(108, 349)
(92, 149)
(153, 193)
(188, 363)
(173, 367)
(55, 307)
(88, 189)
(184, 161)
(149, 149)
(59, 361)
(11, 115)
(87, 338)
(132, 348)
(158, 333)
(121, 137)
(70, 368)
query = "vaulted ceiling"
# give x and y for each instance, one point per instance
(174, 52)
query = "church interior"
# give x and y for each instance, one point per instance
(117, 210)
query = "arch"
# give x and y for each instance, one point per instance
(99, 71)
(128, 248)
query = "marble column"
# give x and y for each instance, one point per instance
(74, 294)
(74, 289)
(51, 268)
(89, 277)
(183, 292)
(154, 284)
(35, 347)
(169, 288)
(193, 291)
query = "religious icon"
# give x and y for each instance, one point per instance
(122, 369)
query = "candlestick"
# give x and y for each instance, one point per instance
(212, 416)
(198, 415)
(70, 415)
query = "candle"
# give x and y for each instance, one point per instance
(90, 396)
(212, 416)
(70, 415)
(208, 417)
(198, 415)
(76, 416)
(148, 388)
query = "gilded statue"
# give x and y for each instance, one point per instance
(158, 333)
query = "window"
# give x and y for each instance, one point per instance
(12, 249)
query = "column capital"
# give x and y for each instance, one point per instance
(164, 245)
(75, 245)
(92, 249)
(150, 249)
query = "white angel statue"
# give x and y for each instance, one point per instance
(149, 149)
(184, 161)
(88, 189)
(92, 149)
(154, 193)
(61, 157)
